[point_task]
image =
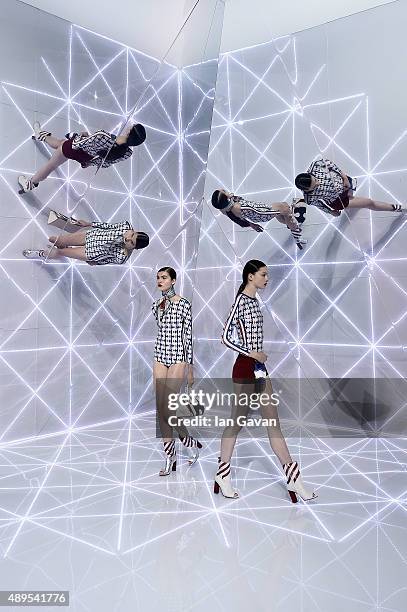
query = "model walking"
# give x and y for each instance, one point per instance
(173, 357)
(97, 243)
(97, 149)
(247, 213)
(327, 187)
(243, 332)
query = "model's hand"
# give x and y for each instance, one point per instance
(257, 227)
(258, 356)
(346, 183)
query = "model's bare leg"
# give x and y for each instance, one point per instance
(276, 437)
(175, 378)
(56, 160)
(166, 381)
(287, 217)
(71, 252)
(375, 205)
(76, 239)
(229, 437)
(54, 142)
(160, 372)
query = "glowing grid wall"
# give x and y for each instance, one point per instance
(338, 307)
(77, 341)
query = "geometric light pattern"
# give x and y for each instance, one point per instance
(339, 307)
(78, 453)
(77, 348)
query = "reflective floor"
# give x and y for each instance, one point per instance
(86, 512)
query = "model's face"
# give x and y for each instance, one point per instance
(314, 183)
(260, 279)
(164, 281)
(227, 194)
(130, 237)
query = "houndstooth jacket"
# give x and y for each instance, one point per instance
(104, 243)
(97, 142)
(174, 339)
(243, 330)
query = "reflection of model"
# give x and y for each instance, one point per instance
(97, 149)
(243, 333)
(327, 187)
(99, 244)
(172, 358)
(248, 214)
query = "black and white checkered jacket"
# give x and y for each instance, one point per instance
(255, 212)
(97, 143)
(104, 243)
(174, 339)
(243, 330)
(330, 181)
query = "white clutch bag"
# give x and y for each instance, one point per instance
(57, 219)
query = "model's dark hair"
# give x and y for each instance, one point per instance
(219, 199)
(137, 136)
(115, 152)
(251, 267)
(170, 271)
(303, 181)
(142, 240)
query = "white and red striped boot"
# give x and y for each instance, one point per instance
(295, 485)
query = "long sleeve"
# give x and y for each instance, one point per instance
(187, 334)
(94, 142)
(97, 145)
(115, 256)
(121, 225)
(332, 166)
(235, 327)
(154, 307)
(237, 220)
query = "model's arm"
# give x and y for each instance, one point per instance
(237, 220)
(234, 325)
(187, 339)
(121, 225)
(98, 140)
(330, 165)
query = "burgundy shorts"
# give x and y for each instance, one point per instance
(243, 370)
(341, 201)
(77, 154)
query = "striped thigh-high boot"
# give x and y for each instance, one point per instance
(171, 458)
(295, 485)
(194, 445)
(222, 480)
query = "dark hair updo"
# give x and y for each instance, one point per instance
(251, 267)
(303, 181)
(219, 200)
(170, 271)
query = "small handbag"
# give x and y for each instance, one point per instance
(57, 219)
(193, 409)
(260, 370)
